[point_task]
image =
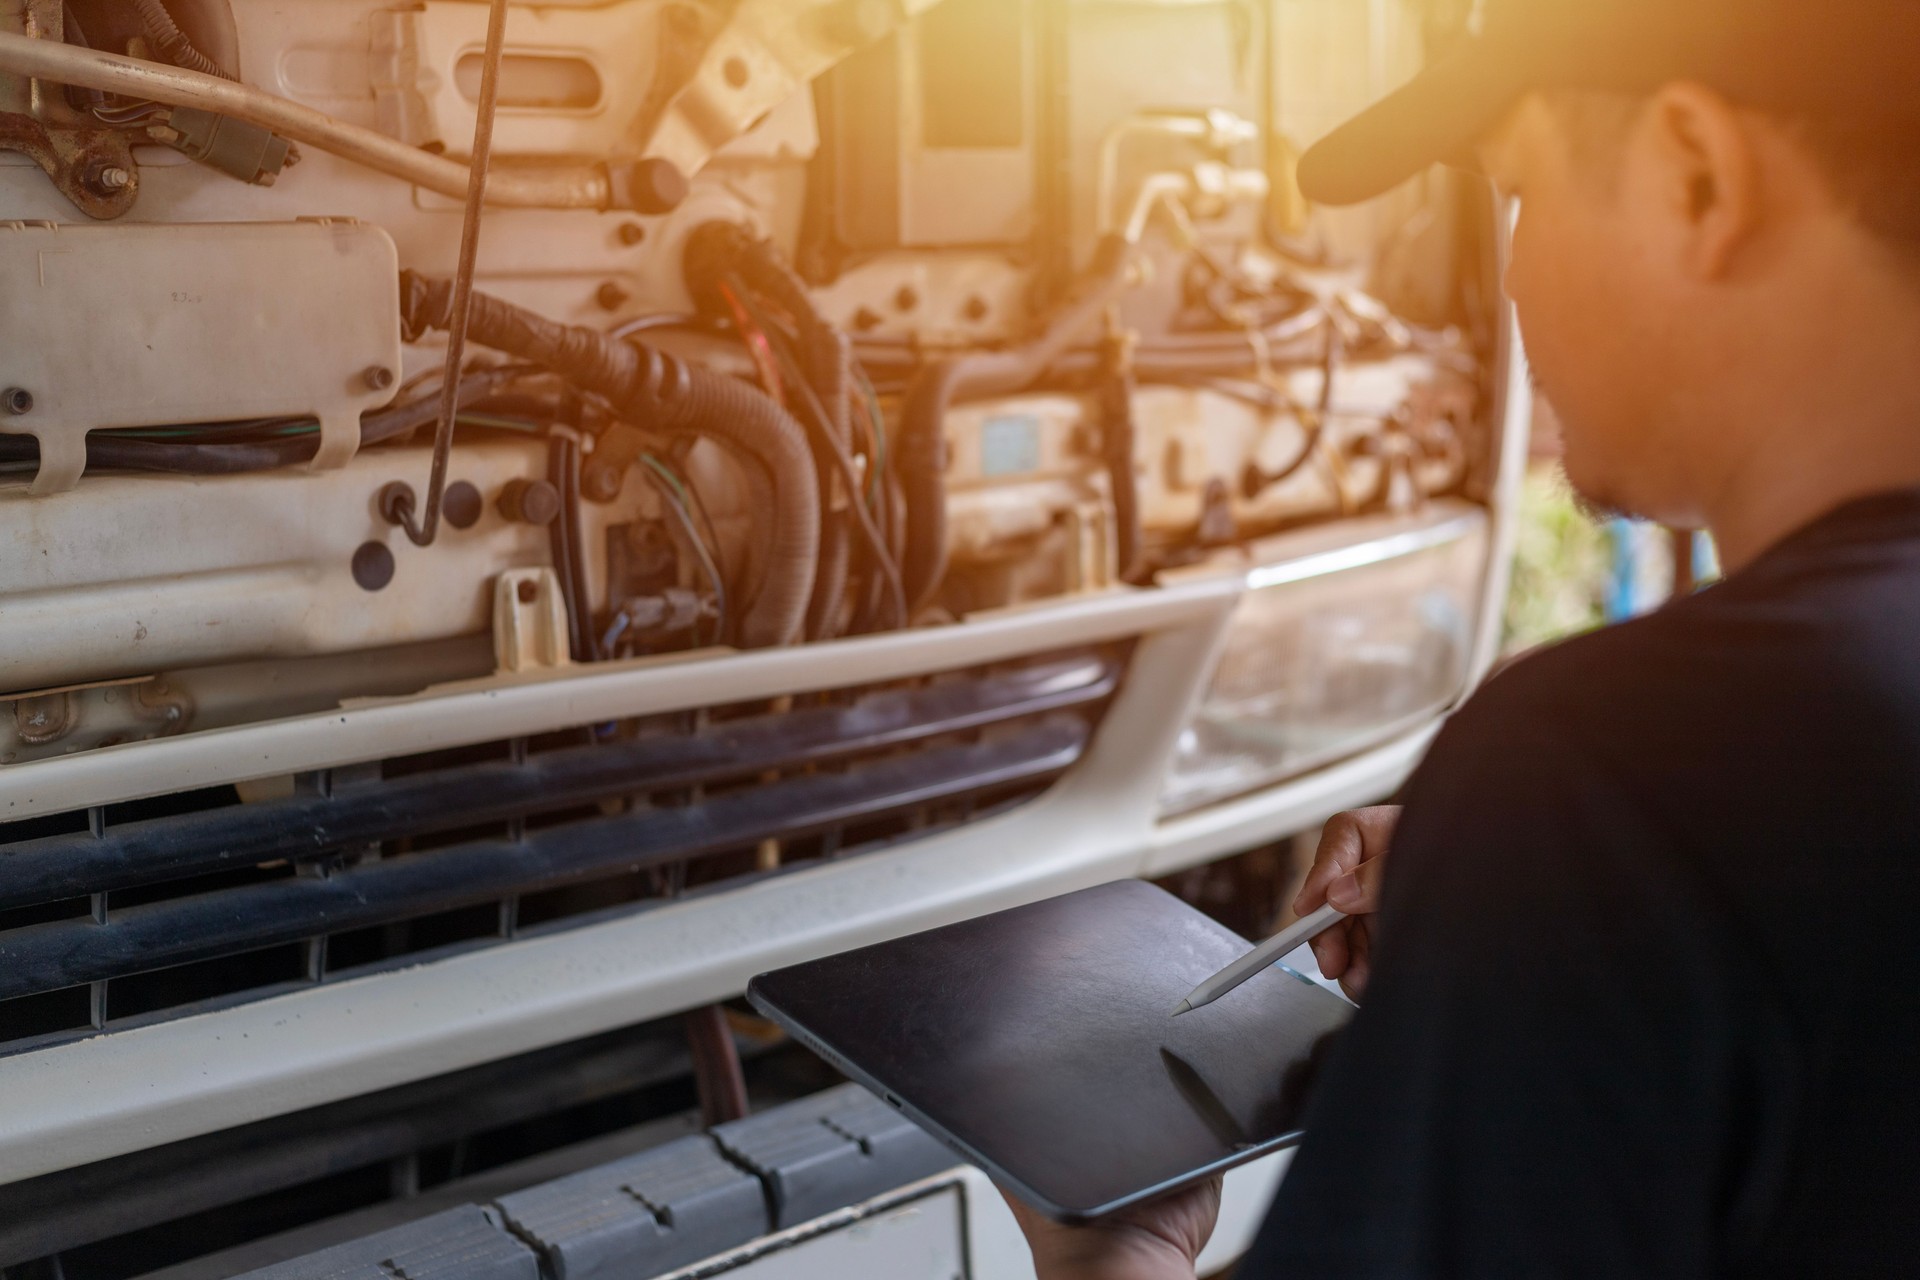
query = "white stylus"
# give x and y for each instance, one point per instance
(1260, 957)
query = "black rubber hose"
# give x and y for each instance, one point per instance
(1117, 433)
(717, 250)
(563, 460)
(920, 458)
(666, 394)
(830, 578)
(172, 42)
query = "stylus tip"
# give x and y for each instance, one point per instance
(1185, 1006)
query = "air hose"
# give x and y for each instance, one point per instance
(718, 248)
(173, 43)
(921, 460)
(665, 394)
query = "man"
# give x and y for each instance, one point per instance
(1643, 995)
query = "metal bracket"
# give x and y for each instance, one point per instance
(760, 55)
(529, 621)
(92, 166)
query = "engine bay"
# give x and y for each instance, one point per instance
(825, 320)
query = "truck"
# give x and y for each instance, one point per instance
(520, 516)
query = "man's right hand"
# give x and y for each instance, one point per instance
(1346, 872)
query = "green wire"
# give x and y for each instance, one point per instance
(879, 421)
(680, 501)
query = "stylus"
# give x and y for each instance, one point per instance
(1260, 957)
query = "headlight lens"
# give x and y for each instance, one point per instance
(1334, 649)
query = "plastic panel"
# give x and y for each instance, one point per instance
(830, 1150)
(460, 1244)
(130, 325)
(643, 1215)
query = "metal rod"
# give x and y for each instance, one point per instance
(573, 186)
(423, 533)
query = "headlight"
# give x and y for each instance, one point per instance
(1333, 649)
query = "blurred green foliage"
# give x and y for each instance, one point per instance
(1561, 563)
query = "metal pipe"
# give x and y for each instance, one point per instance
(422, 534)
(545, 187)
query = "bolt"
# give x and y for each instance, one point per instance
(611, 296)
(377, 377)
(527, 591)
(461, 504)
(17, 400)
(650, 184)
(631, 233)
(372, 566)
(109, 179)
(601, 481)
(394, 502)
(530, 501)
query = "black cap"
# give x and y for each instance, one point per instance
(1852, 59)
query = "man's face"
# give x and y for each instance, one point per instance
(1590, 308)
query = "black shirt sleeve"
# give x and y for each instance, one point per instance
(1540, 1082)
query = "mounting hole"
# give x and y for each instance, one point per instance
(527, 591)
(462, 504)
(372, 566)
(735, 70)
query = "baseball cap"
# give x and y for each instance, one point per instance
(1847, 57)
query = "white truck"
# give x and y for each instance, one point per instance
(851, 465)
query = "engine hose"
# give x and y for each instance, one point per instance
(920, 458)
(718, 249)
(1117, 433)
(830, 580)
(663, 393)
(826, 353)
(563, 464)
(172, 42)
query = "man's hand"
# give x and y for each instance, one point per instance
(1346, 873)
(1154, 1241)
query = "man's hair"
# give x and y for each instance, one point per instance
(1876, 175)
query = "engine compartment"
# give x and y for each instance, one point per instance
(910, 312)
(907, 457)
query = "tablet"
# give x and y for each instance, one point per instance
(1038, 1044)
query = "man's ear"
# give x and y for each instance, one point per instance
(1708, 175)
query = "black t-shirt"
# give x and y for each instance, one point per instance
(1646, 1000)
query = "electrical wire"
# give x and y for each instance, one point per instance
(699, 504)
(560, 540)
(754, 337)
(663, 320)
(815, 415)
(675, 494)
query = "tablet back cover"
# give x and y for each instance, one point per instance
(1038, 1043)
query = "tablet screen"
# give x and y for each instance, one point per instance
(1038, 1043)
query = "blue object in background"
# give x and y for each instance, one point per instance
(1628, 595)
(1649, 565)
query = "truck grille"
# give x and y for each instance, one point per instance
(126, 914)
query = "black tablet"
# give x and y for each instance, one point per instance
(1038, 1044)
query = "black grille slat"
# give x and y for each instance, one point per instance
(149, 910)
(48, 957)
(301, 826)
